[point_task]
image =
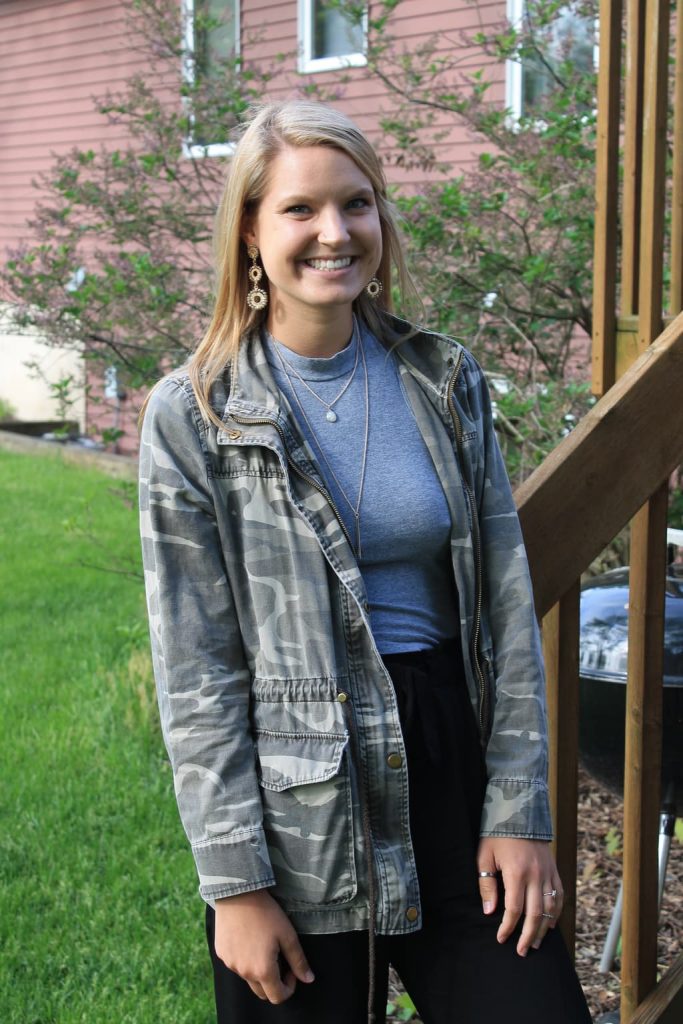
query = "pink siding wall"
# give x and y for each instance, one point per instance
(54, 56)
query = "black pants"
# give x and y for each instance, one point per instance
(454, 969)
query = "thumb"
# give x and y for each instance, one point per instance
(296, 958)
(488, 885)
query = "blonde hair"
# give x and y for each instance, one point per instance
(270, 129)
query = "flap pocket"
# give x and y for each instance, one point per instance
(286, 759)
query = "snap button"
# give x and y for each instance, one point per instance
(234, 434)
(342, 697)
(412, 914)
(394, 760)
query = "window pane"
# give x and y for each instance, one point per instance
(570, 37)
(334, 35)
(214, 33)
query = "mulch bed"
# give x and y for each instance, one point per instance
(600, 824)
(598, 877)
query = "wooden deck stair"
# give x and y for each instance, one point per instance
(614, 467)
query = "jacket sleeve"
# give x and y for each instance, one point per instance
(202, 680)
(516, 802)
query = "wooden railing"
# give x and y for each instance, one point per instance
(615, 465)
(618, 457)
(575, 503)
(595, 481)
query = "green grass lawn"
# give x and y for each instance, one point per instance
(100, 920)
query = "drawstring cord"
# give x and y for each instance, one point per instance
(367, 837)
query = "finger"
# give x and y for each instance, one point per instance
(533, 918)
(488, 890)
(514, 905)
(547, 921)
(553, 901)
(559, 900)
(267, 977)
(277, 989)
(295, 957)
(488, 884)
(548, 917)
(540, 935)
(257, 989)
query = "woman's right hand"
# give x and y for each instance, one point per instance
(253, 936)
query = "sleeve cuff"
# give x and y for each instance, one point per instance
(231, 864)
(517, 808)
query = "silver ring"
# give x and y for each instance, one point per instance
(488, 874)
(551, 917)
(553, 893)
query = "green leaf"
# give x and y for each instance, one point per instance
(613, 842)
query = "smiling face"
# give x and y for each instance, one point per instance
(319, 235)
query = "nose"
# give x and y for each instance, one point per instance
(333, 229)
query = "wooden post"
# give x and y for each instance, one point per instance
(633, 128)
(650, 297)
(676, 293)
(642, 771)
(606, 198)
(643, 756)
(561, 651)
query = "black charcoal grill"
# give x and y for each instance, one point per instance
(603, 658)
(603, 664)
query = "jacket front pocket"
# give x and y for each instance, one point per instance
(307, 815)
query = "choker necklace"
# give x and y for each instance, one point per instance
(330, 415)
(355, 509)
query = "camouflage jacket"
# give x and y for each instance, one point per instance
(277, 712)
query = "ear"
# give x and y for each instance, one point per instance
(247, 233)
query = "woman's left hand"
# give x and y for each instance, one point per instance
(531, 883)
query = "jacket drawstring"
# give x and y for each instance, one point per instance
(367, 838)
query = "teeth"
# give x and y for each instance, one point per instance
(330, 264)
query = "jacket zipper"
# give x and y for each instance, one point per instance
(457, 426)
(297, 469)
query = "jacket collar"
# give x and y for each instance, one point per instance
(430, 357)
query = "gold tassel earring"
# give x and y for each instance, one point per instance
(374, 287)
(256, 297)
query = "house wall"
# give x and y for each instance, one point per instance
(28, 389)
(56, 55)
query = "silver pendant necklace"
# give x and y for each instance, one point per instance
(331, 416)
(355, 509)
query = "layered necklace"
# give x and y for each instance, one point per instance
(331, 416)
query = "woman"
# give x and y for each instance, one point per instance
(343, 631)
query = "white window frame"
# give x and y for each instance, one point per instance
(514, 70)
(194, 150)
(310, 65)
